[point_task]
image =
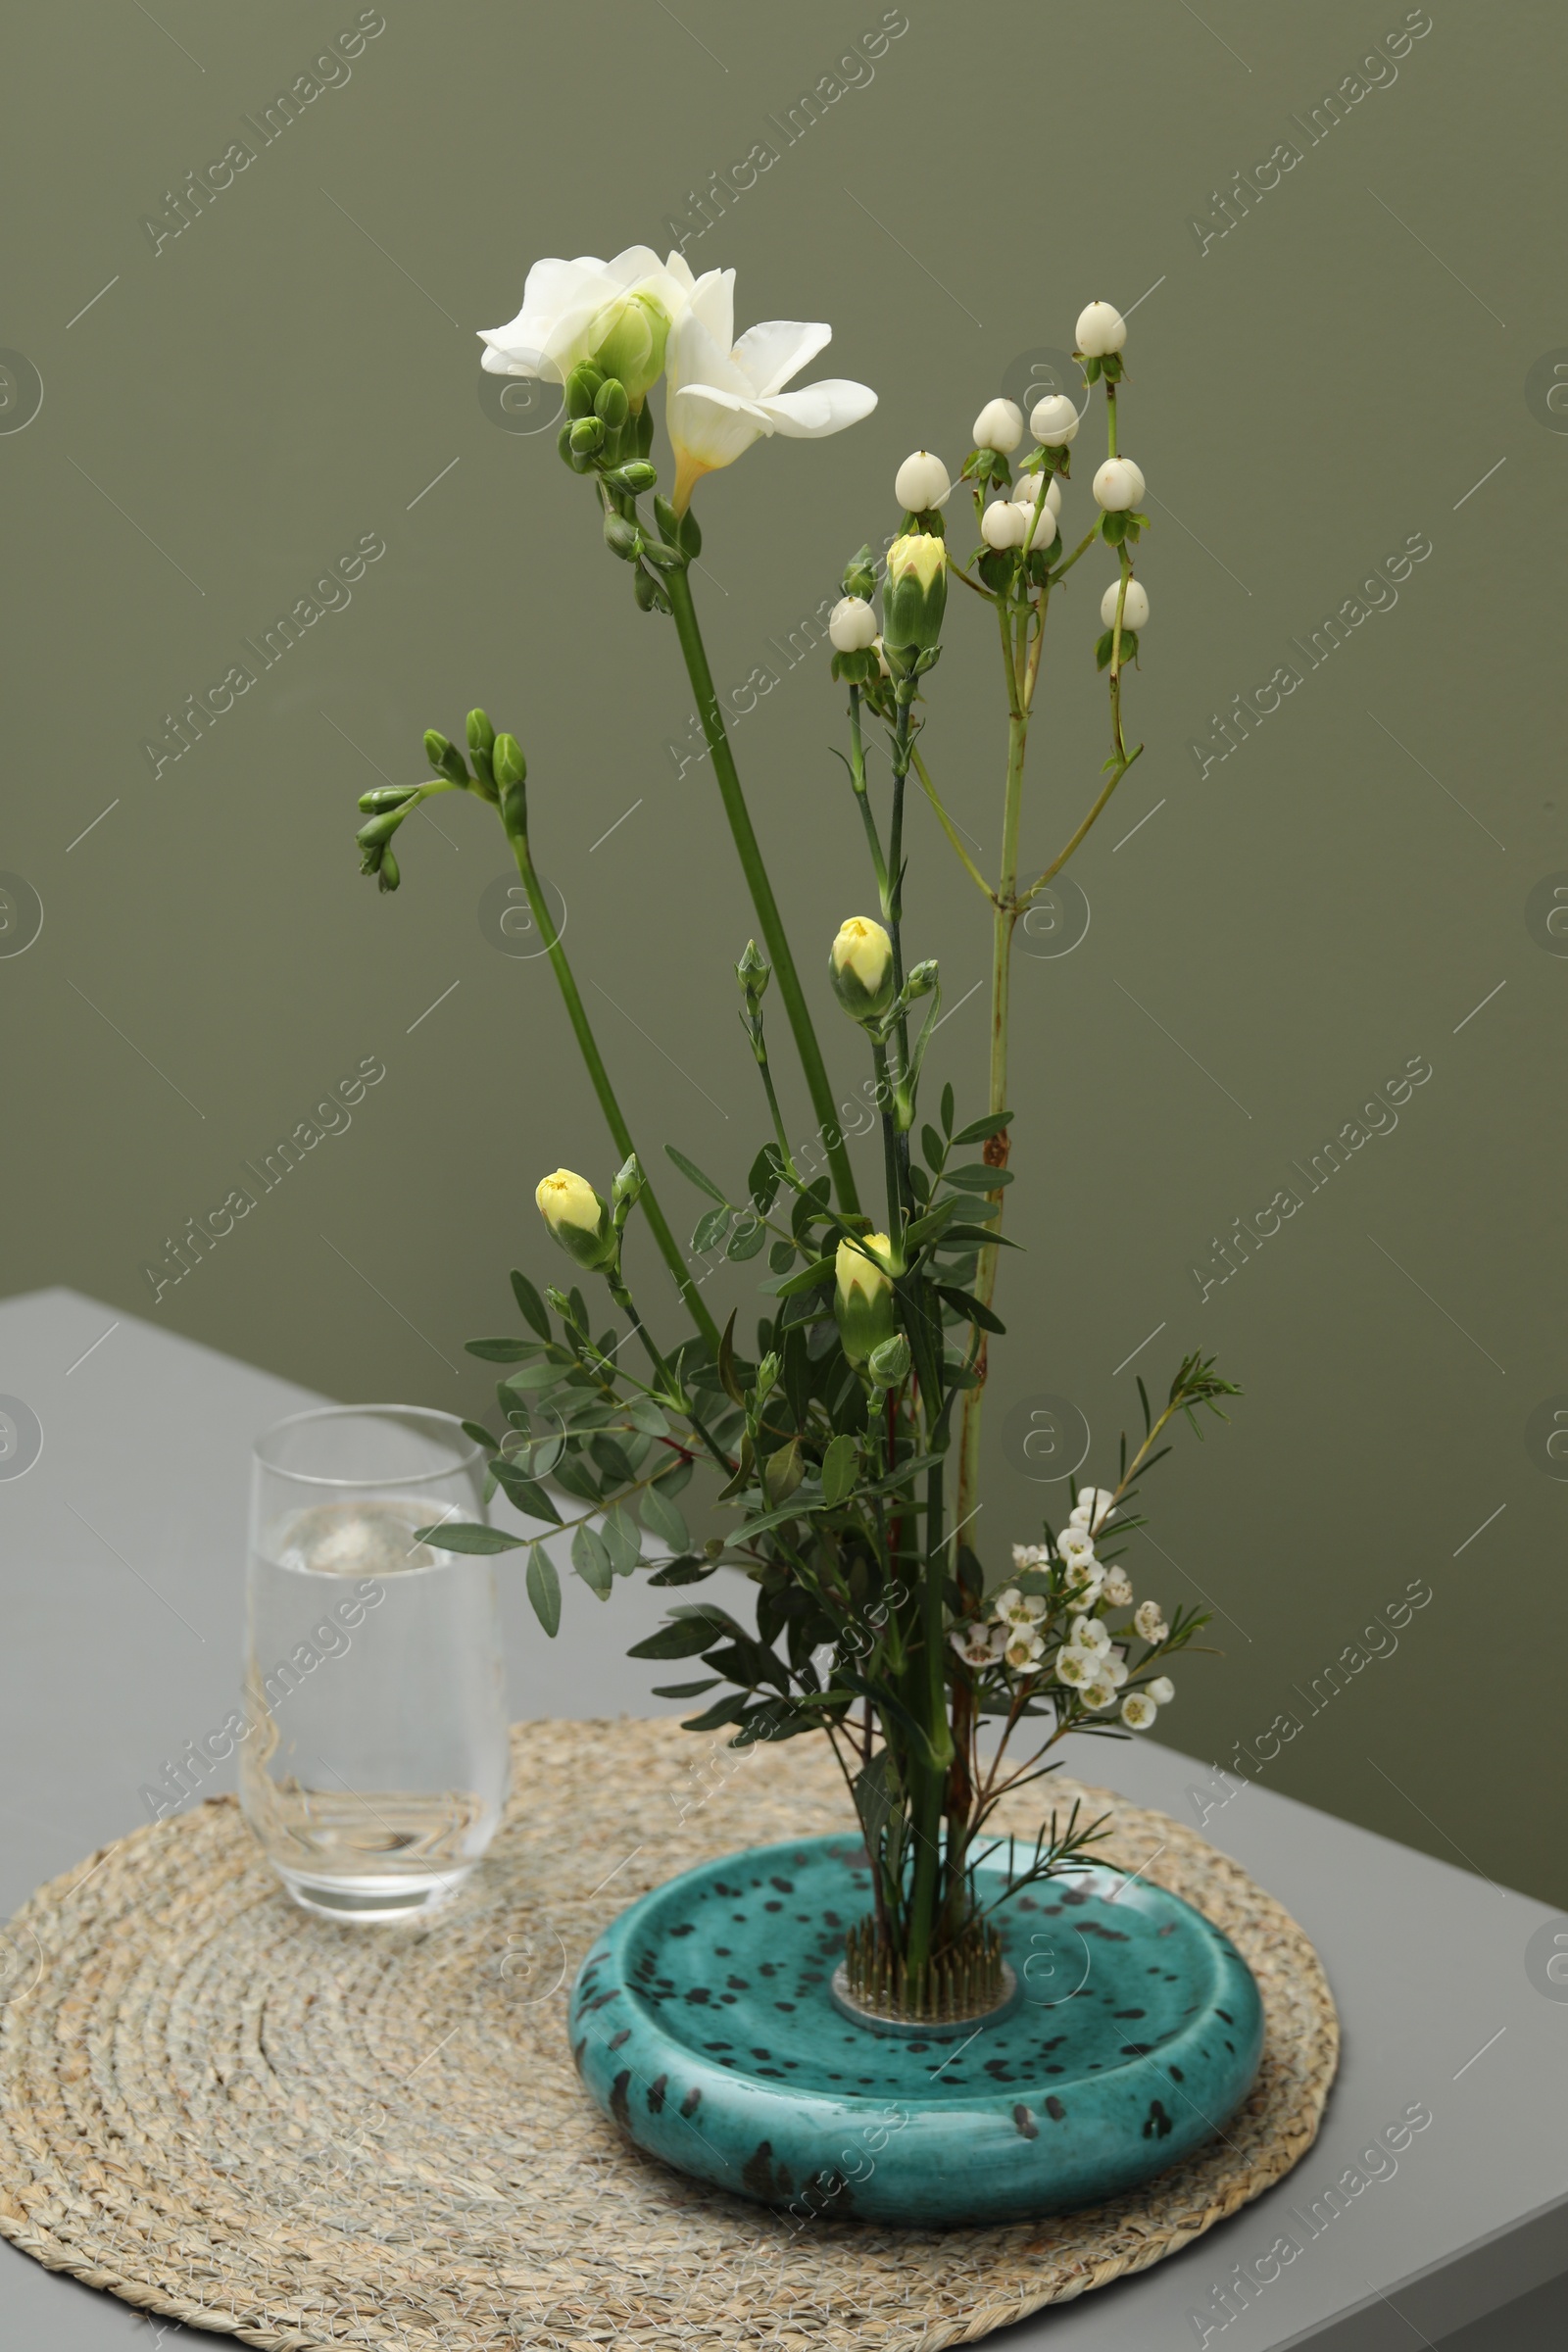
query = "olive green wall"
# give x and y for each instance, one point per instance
(1354, 360)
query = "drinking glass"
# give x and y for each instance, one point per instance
(374, 1763)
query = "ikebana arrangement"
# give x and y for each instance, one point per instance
(846, 1443)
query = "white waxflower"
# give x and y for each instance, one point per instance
(1148, 1621)
(1084, 1578)
(1101, 1693)
(1003, 525)
(1138, 1711)
(1093, 1508)
(1075, 1543)
(1023, 1651)
(1133, 613)
(724, 395)
(1030, 1555)
(1089, 1634)
(1113, 1668)
(1118, 1591)
(1162, 1690)
(1014, 1607)
(976, 1644)
(851, 625)
(617, 313)
(921, 482)
(1101, 329)
(1119, 483)
(1000, 427)
(1076, 1667)
(1055, 420)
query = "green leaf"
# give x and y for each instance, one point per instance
(967, 1237)
(762, 1184)
(532, 1304)
(681, 1637)
(947, 1109)
(709, 1230)
(675, 1474)
(611, 1457)
(971, 1309)
(748, 1237)
(592, 1562)
(878, 1796)
(819, 1271)
(501, 1352)
(694, 1175)
(782, 1257)
(645, 1415)
(460, 1535)
(481, 1435)
(932, 1145)
(622, 1540)
(544, 1589)
(687, 1570)
(978, 1178)
(722, 1710)
(663, 1519)
(573, 1473)
(982, 1130)
(839, 1465)
(708, 1682)
(535, 1376)
(923, 1228)
(525, 1492)
(726, 1366)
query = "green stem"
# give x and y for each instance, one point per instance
(674, 1395)
(858, 779)
(947, 825)
(677, 586)
(588, 1045)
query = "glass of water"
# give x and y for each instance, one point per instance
(375, 1762)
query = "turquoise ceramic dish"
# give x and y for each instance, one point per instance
(704, 2021)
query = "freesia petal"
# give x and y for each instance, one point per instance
(711, 301)
(770, 352)
(709, 428)
(819, 409)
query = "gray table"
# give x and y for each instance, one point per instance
(121, 1569)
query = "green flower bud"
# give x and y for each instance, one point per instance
(645, 588)
(381, 828)
(636, 477)
(387, 876)
(861, 968)
(583, 386)
(922, 980)
(889, 1364)
(626, 1190)
(564, 450)
(860, 576)
(481, 734)
(633, 349)
(610, 405)
(862, 1295)
(386, 796)
(754, 972)
(914, 593)
(578, 1219)
(586, 436)
(508, 761)
(622, 538)
(445, 758)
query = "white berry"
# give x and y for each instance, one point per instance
(1133, 613)
(1003, 525)
(1055, 420)
(920, 483)
(851, 625)
(1118, 484)
(1102, 329)
(999, 425)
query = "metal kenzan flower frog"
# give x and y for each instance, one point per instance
(847, 1446)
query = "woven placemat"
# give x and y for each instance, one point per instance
(305, 2135)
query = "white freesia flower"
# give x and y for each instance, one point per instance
(851, 625)
(1138, 1711)
(998, 427)
(1055, 420)
(1014, 1607)
(1003, 525)
(1148, 1621)
(617, 313)
(977, 1645)
(921, 482)
(1077, 1667)
(1024, 1650)
(1118, 1591)
(1101, 329)
(1133, 613)
(1118, 484)
(1162, 1690)
(725, 395)
(1095, 1504)
(1089, 1634)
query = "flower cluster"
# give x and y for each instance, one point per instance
(1056, 1640)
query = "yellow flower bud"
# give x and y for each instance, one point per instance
(914, 593)
(576, 1217)
(864, 1294)
(862, 966)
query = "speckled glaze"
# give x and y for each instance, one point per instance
(703, 2022)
